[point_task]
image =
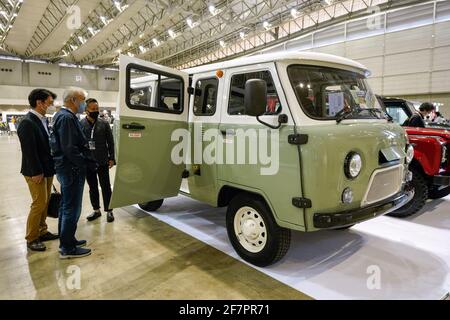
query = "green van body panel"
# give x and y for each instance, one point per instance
(135, 179)
(323, 160)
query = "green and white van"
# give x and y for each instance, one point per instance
(287, 141)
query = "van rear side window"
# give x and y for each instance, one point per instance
(205, 100)
(153, 91)
(237, 89)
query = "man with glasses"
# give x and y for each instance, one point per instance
(37, 166)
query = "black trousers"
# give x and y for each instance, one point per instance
(103, 177)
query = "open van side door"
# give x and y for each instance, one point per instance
(153, 104)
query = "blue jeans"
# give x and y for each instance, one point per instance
(72, 184)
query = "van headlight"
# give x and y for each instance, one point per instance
(409, 154)
(353, 165)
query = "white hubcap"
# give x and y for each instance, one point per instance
(250, 229)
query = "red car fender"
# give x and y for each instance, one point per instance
(428, 152)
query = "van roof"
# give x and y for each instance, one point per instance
(280, 56)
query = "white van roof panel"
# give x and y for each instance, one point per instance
(272, 57)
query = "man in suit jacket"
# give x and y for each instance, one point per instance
(37, 166)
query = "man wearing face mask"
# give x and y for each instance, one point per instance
(37, 166)
(418, 119)
(101, 144)
(72, 158)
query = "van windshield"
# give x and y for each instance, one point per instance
(333, 94)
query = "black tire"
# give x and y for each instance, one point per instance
(151, 205)
(435, 193)
(420, 187)
(277, 239)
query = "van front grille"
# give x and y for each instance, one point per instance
(384, 183)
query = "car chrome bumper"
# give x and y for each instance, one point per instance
(441, 180)
(346, 218)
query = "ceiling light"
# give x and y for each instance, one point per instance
(294, 13)
(213, 10)
(142, 48)
(82, 40)
(172, 34)
(242, 35)
(73, 47)
(189, 22)
(118, 51)
(222, 43)
(130, 54)
(266, 25)
(130, 43)
(104, 20)
(141, 35)
(156, 42)
(92, 31)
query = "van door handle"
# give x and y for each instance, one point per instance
(133, 126)
(228, 132)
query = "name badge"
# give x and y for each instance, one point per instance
(91, 144)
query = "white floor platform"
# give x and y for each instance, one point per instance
(398, 258)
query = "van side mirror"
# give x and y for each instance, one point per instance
(255, 99)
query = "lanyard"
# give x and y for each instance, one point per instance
(92, 131)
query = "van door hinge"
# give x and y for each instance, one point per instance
(298, 139)
(190, 90)
(302, 202)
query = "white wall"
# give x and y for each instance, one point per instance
(18, 79)
(17, 96)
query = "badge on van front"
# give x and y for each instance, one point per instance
(135, 135)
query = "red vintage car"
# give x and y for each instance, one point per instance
(430, 166)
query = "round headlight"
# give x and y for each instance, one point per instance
(409, 154)
(353, 165)
(347, 196)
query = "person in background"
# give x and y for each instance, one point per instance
(72, 159)
(37, 166)
(418, 119)
(439, 118)
(105, 116)
(101, 144)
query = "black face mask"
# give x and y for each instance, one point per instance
(94, 115)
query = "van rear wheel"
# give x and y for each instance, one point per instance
(151, 205)
(253, 231)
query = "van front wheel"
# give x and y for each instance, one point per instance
(253, 231)
(151, 205)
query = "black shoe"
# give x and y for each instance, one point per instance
(48, 237)
(81, 243)
(36, 245)
(109, 216)
(78, 244)
(94, 215)
(76, 253)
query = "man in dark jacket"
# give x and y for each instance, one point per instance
(72, 158)
(101, 144)
(37, 166)
(417, 120)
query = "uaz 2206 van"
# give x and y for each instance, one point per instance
(288, 141)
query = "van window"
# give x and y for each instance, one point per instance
(205, 100)
(153, 91)
(237, 89)
(327, 93)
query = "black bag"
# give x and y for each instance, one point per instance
(53, 204)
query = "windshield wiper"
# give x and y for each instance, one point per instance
(375, 111)
(342, 115)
